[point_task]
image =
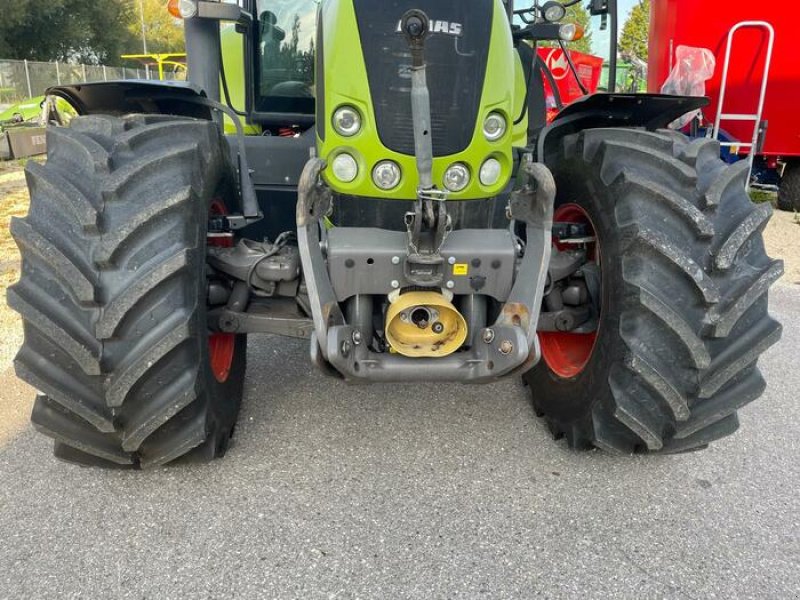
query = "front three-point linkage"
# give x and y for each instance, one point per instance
(429, 223)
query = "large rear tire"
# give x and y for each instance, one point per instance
(113, 292)
(683, 297)
(789, 190)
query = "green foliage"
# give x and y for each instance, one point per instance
(78, 30)
(163, 31)
(91, 32)
(633, 42)
(759, 196)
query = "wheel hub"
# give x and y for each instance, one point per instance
(567, 353)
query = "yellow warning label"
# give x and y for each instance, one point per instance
(460, 269)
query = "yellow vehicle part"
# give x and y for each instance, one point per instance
(424, 324)
(233, 60)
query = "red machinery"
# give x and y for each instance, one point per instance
(588, 67)
(704, 23)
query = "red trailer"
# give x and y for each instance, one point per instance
(589, 68)
(704, 23)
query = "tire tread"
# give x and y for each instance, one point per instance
(117, 355)
(695, 279)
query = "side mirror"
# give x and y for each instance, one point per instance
(599, 7)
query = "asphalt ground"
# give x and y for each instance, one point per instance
(415, 491)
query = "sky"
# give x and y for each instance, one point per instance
(625, 7)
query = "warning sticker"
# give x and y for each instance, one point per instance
(460, 269)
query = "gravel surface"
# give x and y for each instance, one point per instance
(418, 491)
(782, 237)
(13, 203)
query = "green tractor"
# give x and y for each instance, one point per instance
(380, 179)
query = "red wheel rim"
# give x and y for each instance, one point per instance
(221, 346)
(567, 354)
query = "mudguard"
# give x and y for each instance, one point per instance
(134, 96)
(650, 111)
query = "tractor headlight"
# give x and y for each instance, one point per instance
(182, 9)
(386, 175)
(490, 172)
(571, 32)
(347, 121)
(345, 167)
(494, 127)
(553, 11)
(456, 178)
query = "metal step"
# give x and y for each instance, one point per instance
(739, 117)
(755, 117)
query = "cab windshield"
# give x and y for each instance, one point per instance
(285, 54)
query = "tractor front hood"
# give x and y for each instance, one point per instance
(364, 64)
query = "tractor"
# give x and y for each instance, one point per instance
(381, 179)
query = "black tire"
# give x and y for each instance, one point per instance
(789, 190)
(113, 292)
(684, 295)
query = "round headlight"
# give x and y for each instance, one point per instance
(494, 127)
(490, 172)
(347, 121)
(187, 8)
(456, 178)
(345, 167)
(553, 11)
(386, 174)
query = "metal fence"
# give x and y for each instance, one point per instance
(20, 79)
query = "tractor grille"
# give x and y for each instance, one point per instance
(400, 134)
(456, 69)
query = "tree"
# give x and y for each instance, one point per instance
(164, 32)
(633, 42)
(76, 30)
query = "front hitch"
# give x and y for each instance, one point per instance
(509, 345)
(415, 26)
